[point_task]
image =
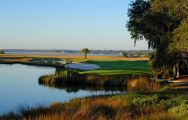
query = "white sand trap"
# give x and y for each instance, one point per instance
(83, 66)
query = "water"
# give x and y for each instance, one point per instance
(19, 87)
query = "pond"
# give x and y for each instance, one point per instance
(19, 87)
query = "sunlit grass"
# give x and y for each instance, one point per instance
(117, 72)
(120, 67)
(74, 58)
(131, 106)
(143, 84)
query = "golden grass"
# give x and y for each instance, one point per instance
(104, 109)
(75, 58)
(143, 84)
(130, 106)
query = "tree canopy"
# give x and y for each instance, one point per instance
(180, 37)
(163, 24)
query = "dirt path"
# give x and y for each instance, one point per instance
(180, 83)
(182, 79)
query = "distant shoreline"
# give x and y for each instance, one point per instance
(64, 56)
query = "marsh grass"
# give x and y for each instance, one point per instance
(109, 80)
(143, 84)
(73, 77)
(133, 106)
(61, 77)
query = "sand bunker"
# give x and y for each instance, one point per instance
(83, 66)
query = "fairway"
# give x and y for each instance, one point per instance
(120, 67)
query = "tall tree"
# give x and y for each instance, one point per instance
(155, 21)
(85, 51)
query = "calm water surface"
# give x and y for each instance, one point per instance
(19, 87)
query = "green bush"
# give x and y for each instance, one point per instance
(146, 100)
(181, 109)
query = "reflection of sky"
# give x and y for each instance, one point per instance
(65, 24)
(19, 86)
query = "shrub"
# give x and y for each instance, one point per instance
(181, 110)
(60, 77)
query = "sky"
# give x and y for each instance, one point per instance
(65, 24)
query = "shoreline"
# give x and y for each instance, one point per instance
(73, 57)
(33, 64)
(30, 60)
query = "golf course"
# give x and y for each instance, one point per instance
(94, 60)
(130, 74)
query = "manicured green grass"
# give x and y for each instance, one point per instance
(120, 67)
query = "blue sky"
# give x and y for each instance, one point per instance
(65, 24)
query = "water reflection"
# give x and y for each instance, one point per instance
(75, 89)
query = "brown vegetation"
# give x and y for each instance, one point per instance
(120, 107)
(14, 56)
(143, 84)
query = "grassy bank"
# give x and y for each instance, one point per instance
(73, 77)
(132, 106)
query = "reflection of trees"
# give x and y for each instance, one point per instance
(75, 89)
(70, 90)
(67, 89)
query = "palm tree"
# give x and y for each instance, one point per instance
(85, 51)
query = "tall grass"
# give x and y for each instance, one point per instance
(61, 77)
(72, 77)
(119, 107)
(143, 84)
